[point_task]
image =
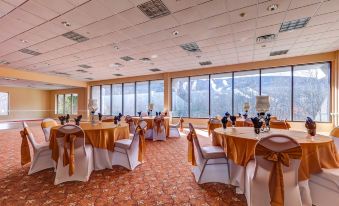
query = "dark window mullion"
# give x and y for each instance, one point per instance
(189, 97)
(292, 92)
(233, 93)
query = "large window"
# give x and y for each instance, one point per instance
(199, 91)
(157, 94)
(246, 88)
(67, 104)
(277, 84)
(129, 99)
(142, 100)
(97, 96)
(106, 99)
(311, 94)
(295, 92)
(4, 103)
(221, 93)
(180, 97)
(116, 99)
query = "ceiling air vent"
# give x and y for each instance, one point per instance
(31, 52)
(154, 9)
(81, 70)
(155, 70)
(4, 62)
(276, 53)
(205, 63)
(61, 73)
(75, 36)
(85, 66)
(145, 59)
(190, 47)
(265, 38)
(115, 65)
(127, 58)
(294, 24)
(89, 78)
(118, 75)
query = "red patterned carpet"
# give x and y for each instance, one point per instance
(164, 179)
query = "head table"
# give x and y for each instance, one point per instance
(100, 135)
(239, 145)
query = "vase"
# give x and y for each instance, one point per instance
(92, 117)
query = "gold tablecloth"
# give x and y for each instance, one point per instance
(150, 123)
(238, 123)
(102, 135)
(239, 144)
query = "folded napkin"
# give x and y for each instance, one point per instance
(233, 119)
(78, 119)
(139, 114)
(224, 122)
(256, 122)
(267, 120)
(67, 118)
(100, 116)
(311, 126)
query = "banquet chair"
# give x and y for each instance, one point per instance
(126, 151)
(144, 114)
(277, 124)
(259, 171)
(213, 124)
(211, 162)
(42, 154)
(335, 136)
(71, 143)
(130, 122)
(46, 126)
(174, 130)
(159, 130)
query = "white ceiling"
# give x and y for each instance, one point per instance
(9, 82)
(223, 36)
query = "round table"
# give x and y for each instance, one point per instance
(239, 145)
(150, 122)
(100, 135)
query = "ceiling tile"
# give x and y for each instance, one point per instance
(282, 7)
(303, 12)
(238, 4)
(328, 6)
(249, 13)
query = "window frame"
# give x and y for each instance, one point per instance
(63, 109)
(8, 110)
(260, 87)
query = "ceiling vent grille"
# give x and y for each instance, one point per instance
(294, 24)
(155, 70)
(154, 9)
(115, 65)
(205, 63)
(190, 47)
(4, 62)
(145, 59)
(276, 53)
(82, 71)
(85, 66)
(31, 52)
(61, 73)
(75, 36)
(127, 58)
(89, 78)
(266, 38)
(118, 75)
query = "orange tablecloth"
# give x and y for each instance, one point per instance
(239, 144)
(102, 135)
(150, 123)
(238, 123)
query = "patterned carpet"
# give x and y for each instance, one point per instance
(164, 179)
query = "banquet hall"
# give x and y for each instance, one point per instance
(169, 102)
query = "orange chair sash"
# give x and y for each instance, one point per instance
(181, 123)
(158, 122)
(191, 155)
(142, 148)
(276, 179)
(68, 159)
(25, 152)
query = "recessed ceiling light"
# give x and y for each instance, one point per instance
(294, 24)
(154, 9)
(115, 47)
(118, 75)
(280, 52)
(205, 63)
(155, 70)
(175, 33)
(28, 51)
(145, 59)
(154, 56)
(10, 79)
(265, 38)
(263, 46)
(115, 65)
(65, 23)
(127, 58)
(85, 66)
(272, 7)
(23, 41)
(242, 14)
(190, 47)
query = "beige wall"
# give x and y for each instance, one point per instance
(25, 103)
(82, 100)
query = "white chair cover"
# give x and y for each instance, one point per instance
(47, 130)
(159, 131)
(131, 124)
(144, 114)
(126, 151)
(211, 162)
(258, 174)
(174, 130)
(42, 154)
(83, 156)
